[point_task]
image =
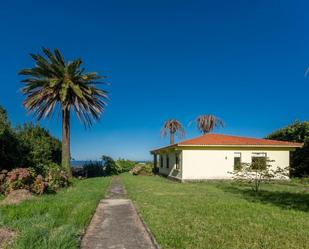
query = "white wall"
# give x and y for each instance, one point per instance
(210, 163)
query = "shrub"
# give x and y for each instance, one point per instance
(26, 178)
(40, 185)
(37, 147)
(259, 172)
(9, 146)
(56, 178)
(19, 178)
(143, 169)
(78, 172)
(3, 174)
(125, 165)
(26, 146)
(93, 169)
(297, 132)
(110, 166)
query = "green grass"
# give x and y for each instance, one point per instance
(222, 214)
(55, 221)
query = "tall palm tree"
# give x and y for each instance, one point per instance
(172, 126)
(58, 85)
(206, 123)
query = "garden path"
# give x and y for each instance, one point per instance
(116, 224)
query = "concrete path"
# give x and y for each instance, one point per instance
(116, 224)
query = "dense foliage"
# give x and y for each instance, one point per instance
(26, 146)
(27, 178)
(296, 132)
(110, 166)
(143, 169)
(93, 169)
(8, 143)
(125, 165)
(38, 148)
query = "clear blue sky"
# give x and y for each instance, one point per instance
(243, 61)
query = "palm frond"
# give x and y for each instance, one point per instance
(53, 82)
(172, 126)
(206, 123)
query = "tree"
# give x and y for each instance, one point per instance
(9, 156)
(296, 132)
(206, 123)
(37, 148)
(259, 172)
(54, 84)
(172, 126)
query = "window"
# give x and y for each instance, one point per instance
(258, 161)
(161, 161)
(177, 161)
(237, 161)
(167, 162)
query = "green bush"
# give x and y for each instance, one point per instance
(56, 177)
(26, 146)
(9, 146)
(38, 149)
(143, 169)
(110, 166)
(125, 165)
(297, 132)
(93, 169)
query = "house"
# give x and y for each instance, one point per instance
(213, 156)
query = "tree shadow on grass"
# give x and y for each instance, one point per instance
(282, 199)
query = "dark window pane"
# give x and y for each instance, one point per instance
(177, 161)
(237, 163)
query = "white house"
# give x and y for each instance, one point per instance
(212, 156)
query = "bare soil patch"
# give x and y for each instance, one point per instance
(7, 237)
(16, 197)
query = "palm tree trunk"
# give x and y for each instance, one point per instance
(172, 138)
(66, 155)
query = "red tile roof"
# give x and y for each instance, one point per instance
(219, 139)
(226, 140)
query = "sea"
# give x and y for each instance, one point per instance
(81, 163)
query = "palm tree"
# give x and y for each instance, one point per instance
(206, 123)
(63, 86)
(172, 126)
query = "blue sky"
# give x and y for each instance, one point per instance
(243, 61)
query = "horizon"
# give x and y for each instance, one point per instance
(244, 62)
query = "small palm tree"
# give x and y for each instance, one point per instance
(206, 123)
(54, 84)
(171, 127)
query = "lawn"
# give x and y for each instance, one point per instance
(222, 214)
(56, 220)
